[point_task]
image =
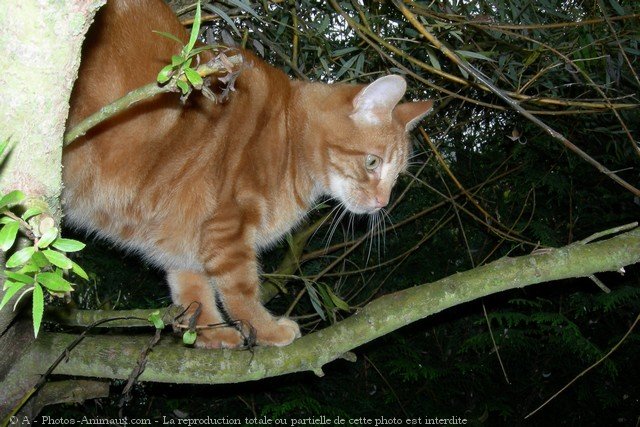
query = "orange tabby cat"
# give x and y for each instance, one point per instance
(199, 189)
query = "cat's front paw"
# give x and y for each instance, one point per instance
(227, 337)
(279, 333)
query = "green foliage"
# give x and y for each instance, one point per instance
(39, 266)
(181, 64)
(189, 337)
(156, 319)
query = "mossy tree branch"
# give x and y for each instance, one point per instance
(115, 356)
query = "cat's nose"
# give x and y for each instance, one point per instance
(381, 201)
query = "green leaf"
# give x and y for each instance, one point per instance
(11, 290)
(29, 267)
(618, 8)
(19, 277)
(8, 235)
(31, 212)
(246, 8)
(165, 74)
(193, 76)
(476, 55)
(315, 299)
(53, 282)
(337, 301)
(224, 16)
(12, 198)
(40, 260)
(195, 30)
(68, 245)
(167, 35)
(189, 337)
(346, 66)
(433, 58)
(58, 259)
(38, 308)
(344, 51)
(156, 319)
(184, 87)
(199, 49)
(48, 237)
(6, 220)
(176, 60)
(21, 257)
(3, 146)
(79, 271)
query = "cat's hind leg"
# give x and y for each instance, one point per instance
(229, 256)
(190, 288)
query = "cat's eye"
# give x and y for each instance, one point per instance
(371, 162)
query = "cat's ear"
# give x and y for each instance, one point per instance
(410, 113)
(374, 104)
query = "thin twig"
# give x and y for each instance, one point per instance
(145, 92)
(479, 76)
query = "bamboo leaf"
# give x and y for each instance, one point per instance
(476, 55)
(346, 66)
(224, 16)
(167, 35)
(315, 299)
(617, 7)
(245, 7)
(337, 301)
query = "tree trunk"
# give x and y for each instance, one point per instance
(40, 43)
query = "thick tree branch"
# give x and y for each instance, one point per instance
(115, 356)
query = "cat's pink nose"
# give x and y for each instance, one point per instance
(381, 202)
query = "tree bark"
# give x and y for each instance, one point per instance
(40, 43)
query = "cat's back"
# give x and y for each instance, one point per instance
(127, 175)
(121, 52)
(130, 177)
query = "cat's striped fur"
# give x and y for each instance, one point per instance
(199, 189)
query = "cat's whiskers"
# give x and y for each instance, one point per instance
(337, 218)
(327, 216)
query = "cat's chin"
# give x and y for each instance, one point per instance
(362, 210)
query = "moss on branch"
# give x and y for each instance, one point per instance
(108, 356)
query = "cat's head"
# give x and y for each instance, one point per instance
(366, 143)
